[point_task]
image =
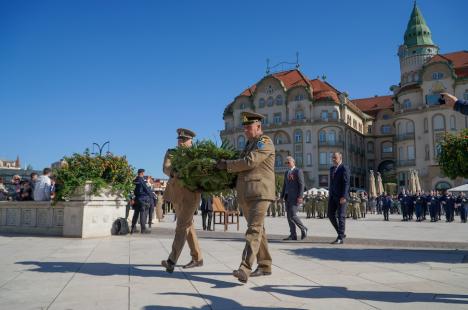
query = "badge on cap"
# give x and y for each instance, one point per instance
(260, 145)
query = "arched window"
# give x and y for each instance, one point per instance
(453, 125)
(438, 122)
(322, 136)
(261, 103)
(241, 142)
(270, 101)
(278, 161)
(409, 127)
(279, 139)
(400, 128)
(279, 100)
(308, 136)
(441, 186)
(298, 135)
(331, 136)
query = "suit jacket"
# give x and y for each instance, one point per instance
(206, 203)
(175, 192)
(293, 186)
(339, 182)
(255, 170)
(461, 106)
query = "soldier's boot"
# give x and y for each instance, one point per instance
(169, 265)
(240, 275)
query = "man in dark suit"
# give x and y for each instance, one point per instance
(339, 193)
(292, 193)
(206, 208)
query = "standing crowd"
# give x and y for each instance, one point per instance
(35, 188)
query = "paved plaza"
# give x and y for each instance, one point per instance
(383, 265)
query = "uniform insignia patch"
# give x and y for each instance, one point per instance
(260, 145)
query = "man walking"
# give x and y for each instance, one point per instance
(142, 202)
(206, 210)
(292, 193)
(185, 204)
(339, 195)
(255, 191)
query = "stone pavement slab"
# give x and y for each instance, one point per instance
(124, 272)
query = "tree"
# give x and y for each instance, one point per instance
(453, 155)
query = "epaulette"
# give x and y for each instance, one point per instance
(262, 141)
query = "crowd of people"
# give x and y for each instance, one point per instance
(34, 188)
(433, 206)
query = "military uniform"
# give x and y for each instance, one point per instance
(185, 203)
(363, 206)
(255, 191)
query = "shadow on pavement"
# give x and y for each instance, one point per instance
(303, 291)
(397, 256)
(216, 302)
(136, 270)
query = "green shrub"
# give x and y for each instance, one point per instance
(101, 171)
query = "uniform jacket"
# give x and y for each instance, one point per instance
(256, 170)
(339, 182)
(142, 192)
(175, 192)
(293, 185)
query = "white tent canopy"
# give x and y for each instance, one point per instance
(461, 188)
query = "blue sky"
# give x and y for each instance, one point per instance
(77, 72)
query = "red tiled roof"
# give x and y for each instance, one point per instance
(373, 103)
(459, 60)
(292, 78)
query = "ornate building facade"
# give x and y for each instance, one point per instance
(309, 118)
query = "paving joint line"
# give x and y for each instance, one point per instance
(74, 274)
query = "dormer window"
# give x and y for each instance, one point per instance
(437, 75)
(299, 97)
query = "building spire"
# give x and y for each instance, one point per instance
(417, 32)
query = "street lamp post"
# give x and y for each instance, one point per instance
(100, 148)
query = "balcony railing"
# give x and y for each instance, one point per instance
(387, 154)
(404, 136)
(406, 163)
(331, 143)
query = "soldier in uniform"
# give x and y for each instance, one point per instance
(363, 205)
(320, 203)
(185, 203)
(256, 189)
(308, 203)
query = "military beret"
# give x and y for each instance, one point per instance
(183, 133)
(250, 118)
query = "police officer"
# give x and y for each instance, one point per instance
(463, 208)
(256, 189)
(143, 197)
(185, 203)
(433, 203)
(419, 202)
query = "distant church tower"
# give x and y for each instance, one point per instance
(416, 49)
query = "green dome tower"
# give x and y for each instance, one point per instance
(417, 48)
